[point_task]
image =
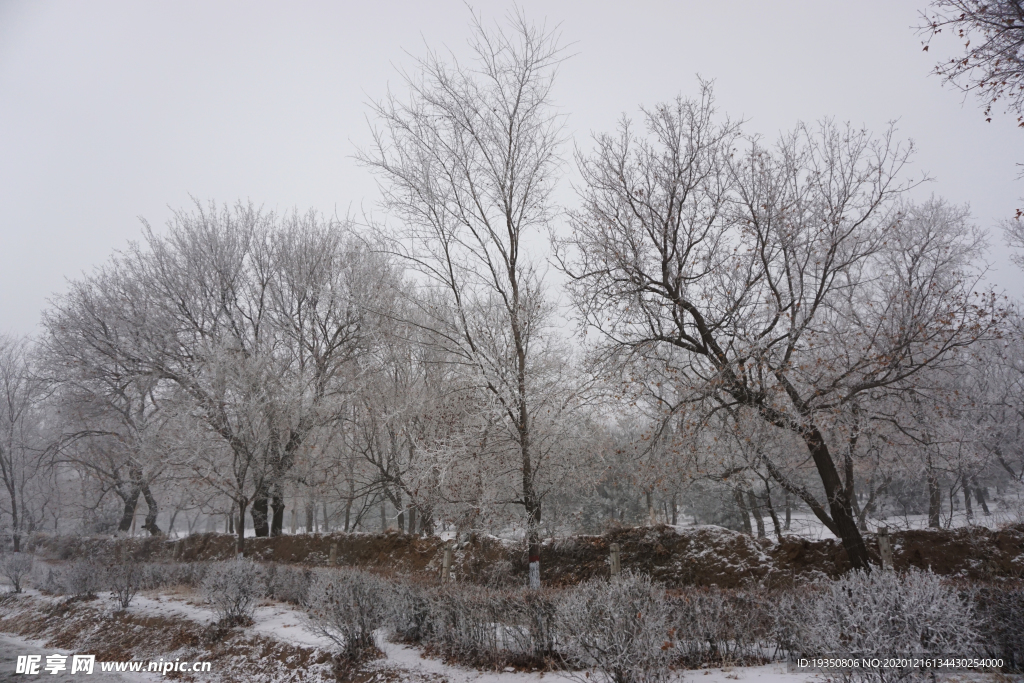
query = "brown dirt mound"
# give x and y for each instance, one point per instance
(702, 556)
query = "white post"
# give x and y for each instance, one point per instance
(885, 547)
(446, 567)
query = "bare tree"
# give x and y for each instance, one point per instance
(467, 165)
(765, 279)
(20, 445)
(252, 323)
(992, 64)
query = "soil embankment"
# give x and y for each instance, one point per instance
(700, 556)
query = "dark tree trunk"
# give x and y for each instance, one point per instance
(151, 513)
(771, 511)
(277, 505)
(310, 509)
(755, 507)
(412, 519)
(934, 500)
(427, 522)
(968, 510)
(240, 528)
(979, 494)
(840, 507)
(675, 510)
(128, 516)
(260, 511)
(789, 511)
(744, 513)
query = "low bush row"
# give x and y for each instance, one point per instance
(628, 630)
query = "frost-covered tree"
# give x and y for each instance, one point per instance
(793, 280)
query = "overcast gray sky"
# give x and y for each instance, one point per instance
(114, 110)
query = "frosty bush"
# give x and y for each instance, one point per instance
(619, 628)
(347, 606)
(234, 588)
(489, 628)
(82, 577)
(1001, 616)
(16, 567)
(287, 583)
(124, 579)
(716, 626)
(409, 611)
(880, 613)
(161, 574)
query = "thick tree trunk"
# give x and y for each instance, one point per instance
(151, 512)
(675, 510)
(412, 520)
(968, 510)
(310, 509)
(128, 516)
(979, 494)
(755, 507)
(738, 496)
(840, 508)
(277, 505)
(260, 511)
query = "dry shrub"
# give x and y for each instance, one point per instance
(409, 611)
(881, 613)
(489, 628)
(288, 583)
(721, 626)
(1000, 612)
(83, 578)
(16, 567)
(619, 628)
(234, 589)
(124, 579)
(347, 606)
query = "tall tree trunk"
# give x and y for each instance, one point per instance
(742, 504)
(771, 511)
(240, 528)
(789, 510)
(131, 501)
(151, 512)
(427, 521)
(934, 498)
(15, 526)
(533, 541)
(260, 511)
(755, 507)
(277, 505)
(412, 519)
(310, 509)
(979, 494)
(968, 510)
(840, 507)
(675, 510)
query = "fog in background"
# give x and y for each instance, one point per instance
(114, 110)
